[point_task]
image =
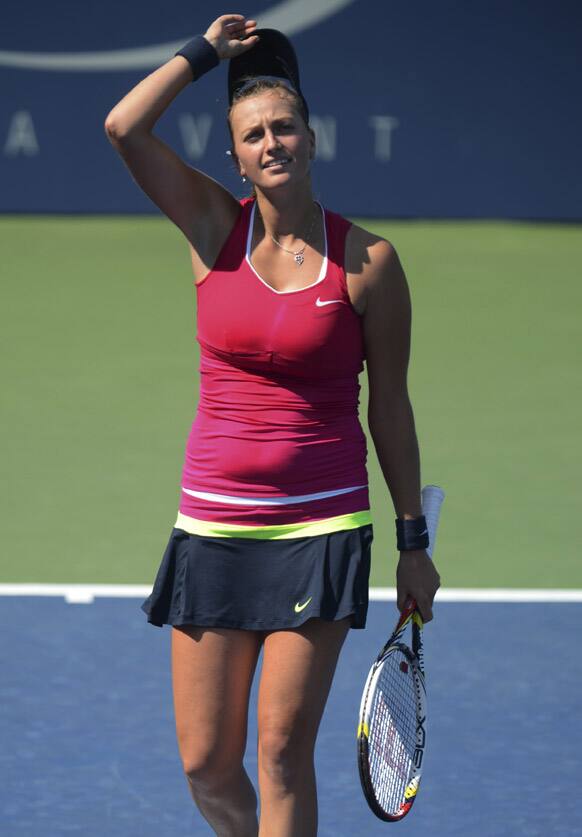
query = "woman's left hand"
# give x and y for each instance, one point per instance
(417, 578)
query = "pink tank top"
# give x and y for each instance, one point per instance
(276, 448)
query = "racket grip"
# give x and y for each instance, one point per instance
(432, 497)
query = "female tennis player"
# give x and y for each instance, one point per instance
(271, 548)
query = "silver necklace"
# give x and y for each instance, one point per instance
(297, 254)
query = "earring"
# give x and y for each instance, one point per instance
(244, 180)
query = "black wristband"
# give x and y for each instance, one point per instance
(411, 534)
(200, 54)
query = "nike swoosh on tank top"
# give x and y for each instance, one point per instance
(276, 449)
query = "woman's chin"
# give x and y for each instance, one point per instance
(281, 180)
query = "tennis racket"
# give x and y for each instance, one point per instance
(392, 723)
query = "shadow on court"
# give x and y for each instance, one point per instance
(89, 745)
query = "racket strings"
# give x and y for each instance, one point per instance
(393, 725)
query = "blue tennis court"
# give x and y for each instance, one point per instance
(89, 745)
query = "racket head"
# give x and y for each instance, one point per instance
(392, 733)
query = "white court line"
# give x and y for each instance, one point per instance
(78, 593)
(87, 593)
(484, 594)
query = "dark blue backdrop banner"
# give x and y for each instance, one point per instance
(424, 109)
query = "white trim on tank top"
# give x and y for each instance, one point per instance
(268, 501)
(322, 272)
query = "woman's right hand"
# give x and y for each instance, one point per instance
(230, 35)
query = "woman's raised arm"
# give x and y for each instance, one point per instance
(203, 209)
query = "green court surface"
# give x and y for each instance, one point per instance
(99, 387)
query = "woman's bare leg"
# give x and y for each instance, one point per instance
(212, 672)
(298, 669)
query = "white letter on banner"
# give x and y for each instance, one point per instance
(325, 137)
(383, 126)
(21, 137)
(195, 132)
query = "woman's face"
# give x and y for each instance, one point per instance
(272, 143)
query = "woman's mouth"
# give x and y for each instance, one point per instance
(280, 161)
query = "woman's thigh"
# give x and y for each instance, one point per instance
(212, 672)
(297, 673)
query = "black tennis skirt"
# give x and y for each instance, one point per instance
(256, 584)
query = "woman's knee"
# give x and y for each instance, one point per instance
(285, 756)
(209, 769)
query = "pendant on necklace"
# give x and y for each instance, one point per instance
(299, 258)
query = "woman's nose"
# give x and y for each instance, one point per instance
(272, 140)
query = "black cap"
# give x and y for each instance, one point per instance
(273, 57)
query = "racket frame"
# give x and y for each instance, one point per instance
(432, 497)
(410, 615)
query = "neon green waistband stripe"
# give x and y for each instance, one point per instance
(286, 530)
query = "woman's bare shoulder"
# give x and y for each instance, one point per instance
(366, 251)
(371, 262)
